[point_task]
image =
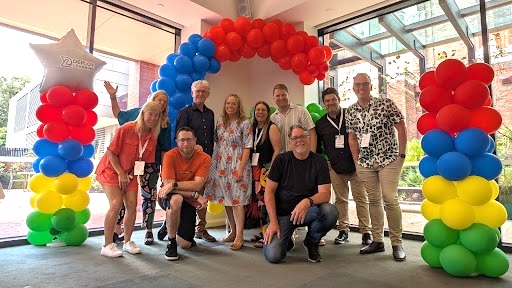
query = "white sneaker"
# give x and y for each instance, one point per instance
(111, 251)
(131, 247)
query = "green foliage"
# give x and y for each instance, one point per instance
(3, 136)
(9, 88)
(411, 177)
(414, 151)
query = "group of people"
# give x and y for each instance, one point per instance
(271, 170)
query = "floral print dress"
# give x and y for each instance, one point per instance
(221, 186)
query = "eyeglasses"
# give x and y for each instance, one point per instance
(297, 138)
(364, 84)
(184, 140)
(201, 91)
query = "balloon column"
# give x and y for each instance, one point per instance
(461, 235)
(60, 197)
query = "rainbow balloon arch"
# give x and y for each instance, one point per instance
(462, 233)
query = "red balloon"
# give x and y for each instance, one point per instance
(43, 98)
(303, 34)
(312, 69)
(311, 42)
(217, 35)
(285, 62)
(295, 44)
(451, 73)
(255, 38)
(91, 118)
(258, 23)
(433, 98)
(453, 118)
(278, 48)
(299, 62)
(320, 76)
(287, 31)
(234, 41)
(271, 32)
(206, 35)
(222, 53)
(306, 78)
(328, 52)
(56, 131)
(74, 115)
(247, 52)
(323, 67)
(486, 118)
(426, 122)
(481, 72)
(488, 102)
(235, 56)
(85, 98)
(264, 51)
(59, 96)
(296, 72)
(278, 22)
(316, 55)
(48, 113)
(427, 79)
(243, 25)
(227, 25)
(39, 131)
(84, 135)
(471, 94)
(274, 59)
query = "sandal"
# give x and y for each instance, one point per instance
(257, 237)
(259, 244)
(148, 240)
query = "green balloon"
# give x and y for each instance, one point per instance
(438, 234)
(497, 232)
(272, 110)
(64, 219)
(430, 254)
(314, 108)
(83, 216)
(54, 231)
(458, 261)
(479, 238)
(314, 117)
(39, 238)
(323, 112)
(75, 236)
(39, 221)
(493, 264)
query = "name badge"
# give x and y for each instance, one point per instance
(138, 169)
(339, 142)
(254, 160)
(365, 141)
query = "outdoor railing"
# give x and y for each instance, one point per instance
(14, 152)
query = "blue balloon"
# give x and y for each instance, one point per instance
(172, 114)
(428, 166)
(153, 86)
(183, 83)
(183, 65)
(472, 142)
(88, 151)
(35, 165)
(167, 71)
(178, 101)
(82, 167)
(52, 166)
(170, 58)
(200, 63)
(214, 66)
(492, 145)
(196, 76)
(70, 149)
(167, 85)
(454, 166)
(194, 39)
(187, 49)
(437, 142)
(206, 47)
(43, 147)
(487, 166)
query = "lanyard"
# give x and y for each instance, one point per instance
(339, 125)
(367, 115)
(258, 138)
(142, 148)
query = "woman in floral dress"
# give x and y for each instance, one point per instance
(229, 180)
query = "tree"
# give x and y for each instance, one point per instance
(9, 88)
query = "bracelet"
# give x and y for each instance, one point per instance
(113, 97)
(193, 195)
(197, 195)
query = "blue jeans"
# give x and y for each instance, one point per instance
(319, 219)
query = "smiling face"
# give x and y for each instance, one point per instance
(186, 142)
(299, 142)
(199, 94)
(362, 86)
(231, 106)
(161, 100)
(281, 98)
(261, 113)
(332, 103)
(151, 118)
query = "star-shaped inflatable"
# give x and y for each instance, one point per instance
(67, 63)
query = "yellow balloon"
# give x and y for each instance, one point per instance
(492, 214)
(457, 214)
(48, 202)
(33, 198)
(430, 210)
(85, 183)
(215, 208)
(40, 183)
(66, 183)
(475, 190)
(495, 189)
(77, 201)
(438, 190)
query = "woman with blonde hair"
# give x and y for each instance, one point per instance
(229, 180)
(133, 144)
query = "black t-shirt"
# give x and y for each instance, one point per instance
(265, 149)
(297, 179)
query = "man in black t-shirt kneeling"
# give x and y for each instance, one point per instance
(297, 193)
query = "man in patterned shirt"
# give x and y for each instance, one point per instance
(379, 157)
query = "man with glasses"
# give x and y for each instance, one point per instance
(297, 194)
(184, 173)
(379, 157)
(200, 119)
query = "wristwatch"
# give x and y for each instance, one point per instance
(311, 202)
(402, 156)
(175, 185)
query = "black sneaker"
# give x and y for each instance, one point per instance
(162, 232)
(118, 238)
(313, 251)
(341, 238)
(171, 253)
(366, 239)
